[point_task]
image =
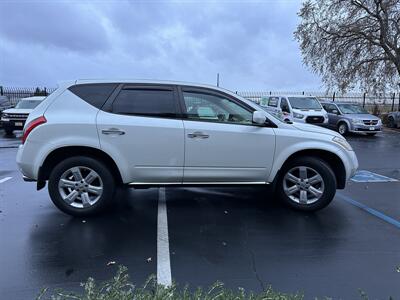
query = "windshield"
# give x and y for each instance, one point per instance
(27, 104)
(304, 103)
(352, 109)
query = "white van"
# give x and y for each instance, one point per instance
(304, 109)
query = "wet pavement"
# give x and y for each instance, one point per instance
(240, 236)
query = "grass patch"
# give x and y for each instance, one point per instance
(121, 288)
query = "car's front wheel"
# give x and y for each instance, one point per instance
(307, 184)
(81, 186)
(343, 129)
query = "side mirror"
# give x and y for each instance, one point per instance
(335, 111)
(259, 117)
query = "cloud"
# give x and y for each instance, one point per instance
(53, 24)
(249, 43)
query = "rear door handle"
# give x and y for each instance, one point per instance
(198, 134)
(113, 131)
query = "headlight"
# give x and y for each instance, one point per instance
(342, 142)
(379, 122)
(298, 116)
(5, 116)
(357, 121)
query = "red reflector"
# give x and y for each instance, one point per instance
(31, 125)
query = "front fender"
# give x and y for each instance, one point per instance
(284, 153)
(346, 121)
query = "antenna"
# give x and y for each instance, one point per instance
(218, 79)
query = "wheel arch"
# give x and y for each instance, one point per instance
(347, 122)
(59, 154)
(330, 158)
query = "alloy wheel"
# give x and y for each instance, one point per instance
(342, 129)
(303, 185)
(80, 187)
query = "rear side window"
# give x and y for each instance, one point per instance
(145, 102)
(94, 94)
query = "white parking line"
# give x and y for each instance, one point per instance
(163, 258)
(5, 179)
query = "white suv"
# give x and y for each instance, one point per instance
(90, 136)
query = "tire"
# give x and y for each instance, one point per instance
(81, 198)
(325, 184)
(391, 123)
(8, 131)
(343, 129)
(371, 133)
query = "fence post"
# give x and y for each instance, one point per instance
(394, 94)
(333, 97)
(364, 99)
(303, 93)
(1, 91)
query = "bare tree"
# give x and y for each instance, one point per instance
(352, 43)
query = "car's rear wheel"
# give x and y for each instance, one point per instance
(343, 129)
(81, 186)
(307, 184)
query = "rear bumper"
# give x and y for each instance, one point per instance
(27, 179)
(25, 164)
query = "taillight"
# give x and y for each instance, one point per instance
(32, 125)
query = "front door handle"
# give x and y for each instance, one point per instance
(198, 134)
(113, 131)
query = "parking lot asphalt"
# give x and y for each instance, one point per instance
(240, 236)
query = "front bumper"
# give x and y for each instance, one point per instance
(365, 128)
(12, 124)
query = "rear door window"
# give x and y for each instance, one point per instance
(146, 102)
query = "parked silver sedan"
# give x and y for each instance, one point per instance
(350, 117)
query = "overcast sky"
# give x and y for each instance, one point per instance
(250, 43)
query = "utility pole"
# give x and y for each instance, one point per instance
(218, 79)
